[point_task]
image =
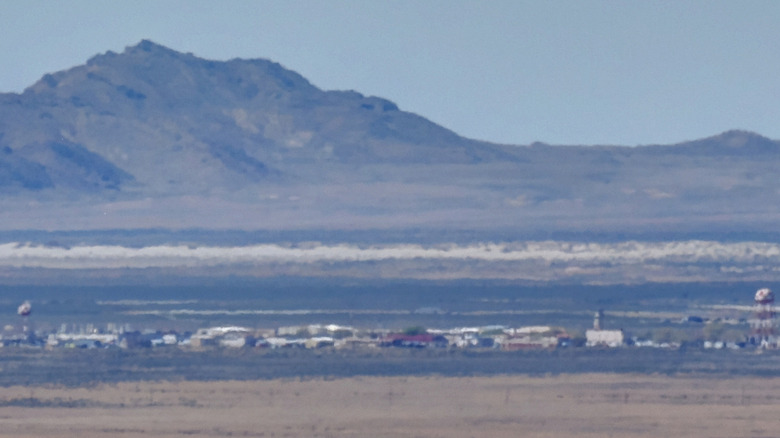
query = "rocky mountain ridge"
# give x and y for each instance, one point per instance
(210, 123)
(152, 137)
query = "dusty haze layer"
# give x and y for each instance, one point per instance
(536, 261)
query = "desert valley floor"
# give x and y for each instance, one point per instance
(581, 405)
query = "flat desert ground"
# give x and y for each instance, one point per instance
(581, 405)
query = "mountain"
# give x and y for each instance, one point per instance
(155, 138)
(180, 124)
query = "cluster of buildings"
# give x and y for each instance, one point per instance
(762, 335)
(306, 336)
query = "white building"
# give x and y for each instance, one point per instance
(596, 337)
(605, 338)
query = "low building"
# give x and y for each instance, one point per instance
(415, 341)
(232, 340)
(598, 337)
(604, 338)
(319, 342)
(529, 342)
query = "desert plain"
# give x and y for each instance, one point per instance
(581, 405)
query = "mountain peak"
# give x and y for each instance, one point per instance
(729, 143)
(736, 138)
(149, 46)
(143, 48)
(224, 124)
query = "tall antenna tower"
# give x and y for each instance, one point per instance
(764, 322)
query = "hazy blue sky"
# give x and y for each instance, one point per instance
(562, 72)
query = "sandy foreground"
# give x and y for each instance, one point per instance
(583, 405)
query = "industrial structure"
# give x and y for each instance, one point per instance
(24, 311)
(597, 336)
(763, 322)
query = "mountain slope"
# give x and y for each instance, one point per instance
(215, 123)
(152, 137)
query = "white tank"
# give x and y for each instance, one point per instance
(24, 309)
(764, 295)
